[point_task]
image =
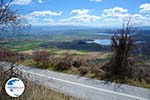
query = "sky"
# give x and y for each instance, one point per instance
(83, 12)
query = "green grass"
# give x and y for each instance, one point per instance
(23, 45)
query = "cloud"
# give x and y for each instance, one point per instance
(117, 13)
(48, 20)
(81, 15)
(80, 11)
(141, 19)
(145, 8)
(45, 13)
(22, 2)
(116, 9)
(96, 0)
(109, 17)
(41, 17)
(40, 1)
(25, 2)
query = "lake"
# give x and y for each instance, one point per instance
(108, 41)
(101, 42)
(106, 34)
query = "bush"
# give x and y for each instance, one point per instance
(40, 56)
(98, 73)
(9, 56)
(61, 66)
(64, 63)
(41, 59)
(83, 70)
(79, 62)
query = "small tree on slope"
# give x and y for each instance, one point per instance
(122, 43)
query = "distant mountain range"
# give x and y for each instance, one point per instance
(144, 27)
(65, 28)
(57, 28)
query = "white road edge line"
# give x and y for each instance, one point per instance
(87, 86)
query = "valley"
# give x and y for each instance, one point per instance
(75, 51)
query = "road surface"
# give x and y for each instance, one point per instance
(82, 87)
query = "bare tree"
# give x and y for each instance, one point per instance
(10, 21)
(7, 16)
(122, 43)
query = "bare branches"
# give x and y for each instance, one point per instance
(10, 21)
(123, 37)
(6, 15)
(122, 43)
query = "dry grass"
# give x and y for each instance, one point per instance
(35, 92)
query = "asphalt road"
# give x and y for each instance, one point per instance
(82, 87)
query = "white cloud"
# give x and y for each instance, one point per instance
(116, 9)
(145, 8)
(96, 0)
(117, 12)
(80, 11)
(25, 2)
(40, 1)
(141, 19)
(81, 15)
(48, 20)
(22, 2)
(109, 17)
(45, 13)
(41, 17)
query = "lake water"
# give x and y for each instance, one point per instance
(106, 34)
(107, 41)
(111, 34)
(101, 42)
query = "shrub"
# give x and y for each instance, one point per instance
(9, 56)
(61, 66)
(40, 55)
(41, 59)
(64, 63)
(83, 70)
(79, 62)
(98, 73)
